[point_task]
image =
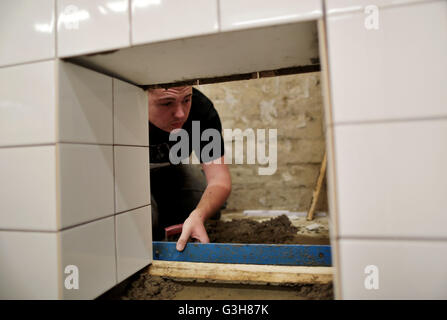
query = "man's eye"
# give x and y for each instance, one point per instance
(186, 100)
(166, 104)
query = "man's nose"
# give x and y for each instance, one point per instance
(179, 113)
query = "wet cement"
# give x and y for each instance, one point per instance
(142, 286)
(279, 230)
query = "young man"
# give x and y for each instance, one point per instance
(179, 193)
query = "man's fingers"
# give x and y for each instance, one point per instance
(203, 238)
(181, 242)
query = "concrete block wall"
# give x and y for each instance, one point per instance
(293, 105)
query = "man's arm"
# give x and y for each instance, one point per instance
(217, 191)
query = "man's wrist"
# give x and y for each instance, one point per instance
(197, 213)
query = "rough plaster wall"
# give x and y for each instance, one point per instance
(292, 105)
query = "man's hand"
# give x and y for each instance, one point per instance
(192, 227)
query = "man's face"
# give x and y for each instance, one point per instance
(169, 108)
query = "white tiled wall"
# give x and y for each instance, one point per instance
(159, 20)
(87, 26)
(91, 248)
(58, 171)
(130, 107)
(133, 241)
(85, 107)
(405, 269)
(85, 183)
(28, 188)
(131, 177)
(392, 181)
(389, 128)
(29, 265)
(381, 74)
(29, 118)
(27, 26)
(237, 15)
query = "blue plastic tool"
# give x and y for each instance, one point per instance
(271, 254)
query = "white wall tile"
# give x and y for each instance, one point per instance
(133, 241)
(237, 15)
(85, 105)
(91, 248)
(392, 179)
(344, 6)
(28, 188)
(29, 266)
(158, 20)
(27, 31)
(89, 26)
(86, 183)
(396, 72)
(27, 104)
(130, 112)
(406, 269)
(132, 188)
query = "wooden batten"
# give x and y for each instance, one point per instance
(242, 273)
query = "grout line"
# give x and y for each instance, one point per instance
(219, 23)
(383, 7)
(86, 143)
(24, 230)
(130, 22)
(330, 142)
(384, 121)
(29, 145)
(128, 210)
(26, 62)
(116, 249)
(45, 144)
(385, 238)
(130, 145)
(55, 29)
(86, 222)
(114, 181)
(62, 229)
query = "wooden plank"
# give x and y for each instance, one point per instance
(316, 194)
(268, 254)
(241, 273)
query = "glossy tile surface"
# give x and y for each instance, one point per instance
(88, 26)
(392, 179)
(85, 105)
(346, 6)
(29, 265)
(27, 31)
(91, 248)
(28, 188)
(237, 15)
(133, 241)
(131, 177)
(86, 183)
(27, 104)
(158, 20)
(397, 71)
(130, 114)
(400, 269)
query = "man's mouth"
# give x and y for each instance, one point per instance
(177, 124)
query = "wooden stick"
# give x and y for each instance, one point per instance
(241, 273)
(316, 193)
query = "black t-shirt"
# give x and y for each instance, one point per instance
(202, 110)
